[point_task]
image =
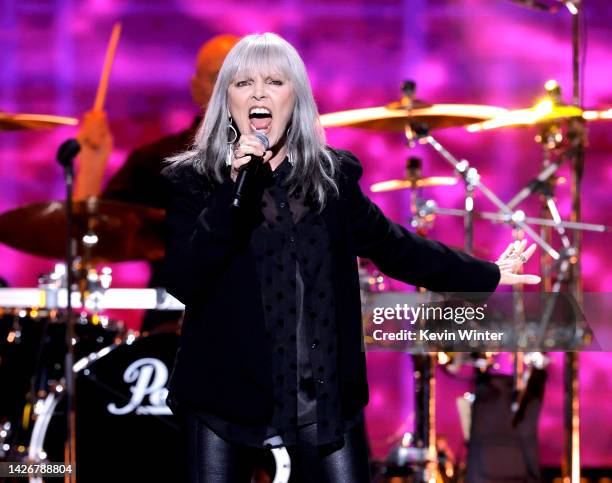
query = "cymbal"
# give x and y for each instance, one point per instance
(400, 184)
(115, 231)
(16, 122)
(396, 115)
(543, 112)
(591, 115)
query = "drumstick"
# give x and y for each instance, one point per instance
(108, 64)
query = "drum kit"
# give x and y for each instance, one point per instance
(562, 137)
(120, 374)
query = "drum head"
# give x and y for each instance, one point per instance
(125, 431)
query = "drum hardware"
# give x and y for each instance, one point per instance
(414, 118)
(424, 215)
(509, 219)
(370, 281)
(453, 362)
(408, 116)
(4, 434)
(571, 442)
(471, 177)
(33, 311)
(550, 111)
(530, 362)
(405, 456)
(422, 210)
(32, 348)
(562, 259)
(547, 114)
(424, 461)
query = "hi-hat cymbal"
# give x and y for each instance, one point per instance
(542, 113)
(397, 115)
(16, 122)
(400, 184)
(105, 230)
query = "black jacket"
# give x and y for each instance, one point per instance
(223, 365)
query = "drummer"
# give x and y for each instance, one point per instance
(138, 180)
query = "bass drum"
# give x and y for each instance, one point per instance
(32, 351)
(124, 429)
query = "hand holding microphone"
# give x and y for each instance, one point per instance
(251, 151)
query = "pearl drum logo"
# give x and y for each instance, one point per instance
(148, 377)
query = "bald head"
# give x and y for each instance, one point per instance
(208, 63)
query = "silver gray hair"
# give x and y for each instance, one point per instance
(314, 167)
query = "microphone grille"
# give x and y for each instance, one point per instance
(263, 139)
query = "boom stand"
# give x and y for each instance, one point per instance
(65, 157)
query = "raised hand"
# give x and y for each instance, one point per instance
(512, 260)
(96, 146)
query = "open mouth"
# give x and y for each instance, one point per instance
(260, 118)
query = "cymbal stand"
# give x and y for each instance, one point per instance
(425, 416)
(468, 220)
(518, 358)
(470, 179)
(471, 175)
(571, 427)
(568, 265)
(534, 184)
(65, 157)
(423, 461)
(571, 447)
(421, 210)
(507, 219)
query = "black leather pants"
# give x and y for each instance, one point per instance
(211, 459)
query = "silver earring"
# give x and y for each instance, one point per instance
(289, 150)
(233, 129)
(228, 161)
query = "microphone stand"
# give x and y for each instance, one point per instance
(65, 157)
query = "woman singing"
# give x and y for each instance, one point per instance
(271, 343)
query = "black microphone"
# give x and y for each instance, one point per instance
(248, 173)
(67, 151)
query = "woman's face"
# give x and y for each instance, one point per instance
(261, 102)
